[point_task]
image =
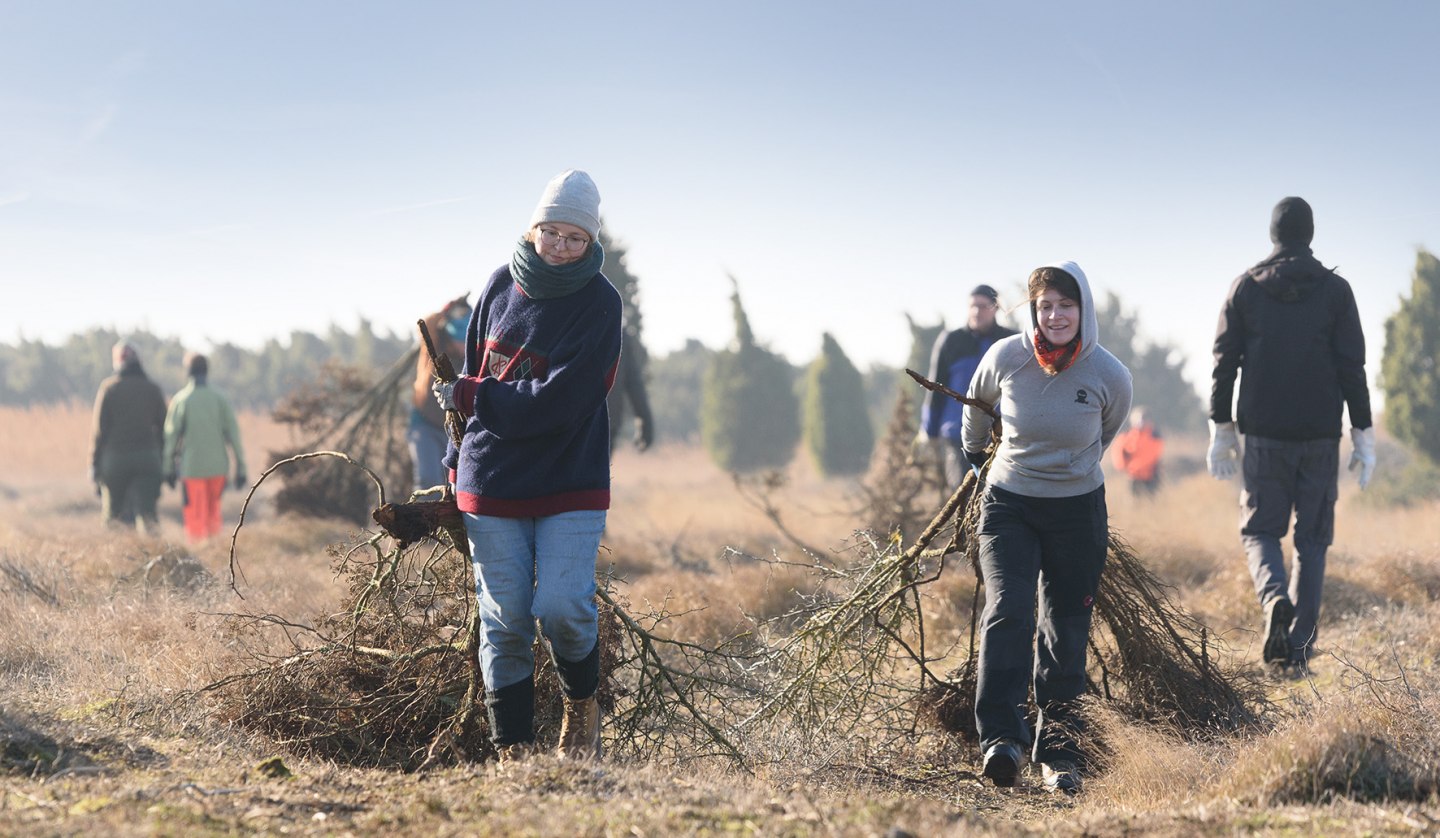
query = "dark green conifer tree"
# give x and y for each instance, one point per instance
(837, 420)
(1408, 373)
(749, 415)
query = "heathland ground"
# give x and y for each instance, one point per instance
(101, 640)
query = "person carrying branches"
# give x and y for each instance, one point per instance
(425, 433)
(531, 473)
(1043, 529)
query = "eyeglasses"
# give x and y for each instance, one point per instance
(551, 237)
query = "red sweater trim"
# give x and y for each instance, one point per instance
(588, 499)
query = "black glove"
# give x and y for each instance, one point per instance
(241, 480)
(95, 479)
(170, 478)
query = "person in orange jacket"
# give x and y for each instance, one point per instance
(1137, 452)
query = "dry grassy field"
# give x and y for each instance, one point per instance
(104, 647)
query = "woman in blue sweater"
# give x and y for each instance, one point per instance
(532, 475)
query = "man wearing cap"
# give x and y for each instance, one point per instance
(128, 432)
(1292, 325)
(956, 355)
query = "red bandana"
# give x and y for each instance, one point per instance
(1052, 358)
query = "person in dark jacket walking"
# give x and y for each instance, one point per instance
(1044, 525)
(1291, 324)
(952, 362)
(129, 427)
(532, 475)
(629, 397)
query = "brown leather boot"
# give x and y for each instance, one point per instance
(580, 729)
(519, 752)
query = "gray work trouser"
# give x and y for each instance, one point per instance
(1041, 560)
(1285, 478)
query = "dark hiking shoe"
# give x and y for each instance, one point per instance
(1278, 615)
(1003, 761)
(1060, 776)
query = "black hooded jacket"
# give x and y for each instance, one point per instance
(1291, 323)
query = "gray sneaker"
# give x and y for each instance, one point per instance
(1279, 613)
(1003, 761)
(1060, 776)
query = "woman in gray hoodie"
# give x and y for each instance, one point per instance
(1061, 399)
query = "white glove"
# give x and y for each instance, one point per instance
(1364, 453)
(1223, 458)
(926, 445)
(444, 393)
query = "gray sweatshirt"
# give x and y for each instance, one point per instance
(1055, 428)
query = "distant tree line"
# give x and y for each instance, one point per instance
(750, 406)
(35, 373)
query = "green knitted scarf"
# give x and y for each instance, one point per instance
(542, 281)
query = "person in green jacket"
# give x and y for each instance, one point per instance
(198, 428)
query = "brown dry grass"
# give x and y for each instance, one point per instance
(94, 656)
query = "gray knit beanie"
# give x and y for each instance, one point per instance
(570, 198)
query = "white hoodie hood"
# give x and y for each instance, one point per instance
(1089, 322)
(1055, 428)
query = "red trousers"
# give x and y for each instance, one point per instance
(202, 506)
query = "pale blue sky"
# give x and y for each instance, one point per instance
(231, 171)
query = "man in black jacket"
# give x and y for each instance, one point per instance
(1292, 325)
(952, 362)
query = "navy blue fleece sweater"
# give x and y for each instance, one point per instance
(533, 395)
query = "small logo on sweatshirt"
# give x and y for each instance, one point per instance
(1081, 396)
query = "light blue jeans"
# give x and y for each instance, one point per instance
(427, 449)
(529, 569)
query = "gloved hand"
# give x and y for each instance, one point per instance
(977, 461)
(925, 445)
(1223, 458)
(242, 480)
(1364, 453)
(644, 434)
(171, 477)
(444, 393)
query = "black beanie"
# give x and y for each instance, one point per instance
(1292, 223)
(196, 366)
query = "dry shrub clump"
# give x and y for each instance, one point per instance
(325, 414)
(1379, 743)
(392, 681)
(1407, 576)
